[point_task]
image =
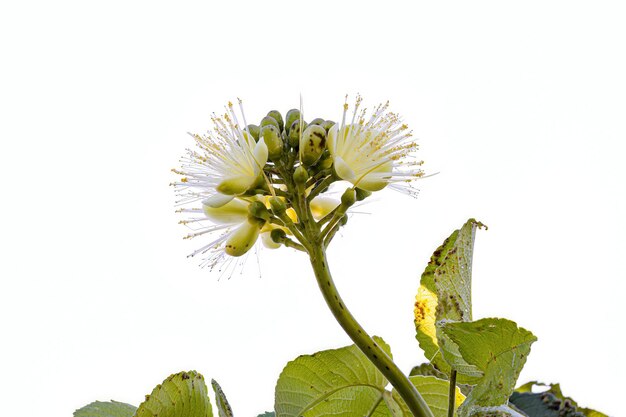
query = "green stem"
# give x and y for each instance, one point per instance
(368, 346)
(452, 393)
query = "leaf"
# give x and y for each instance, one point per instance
(445, 295)
(499, 348)
(551, 402)
(435, 393)
(106, 409)
(180, 395)
(223, 407)
(428, 369)
(342, 382)
(267, 414)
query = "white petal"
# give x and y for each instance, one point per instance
(236, 185)
(260, 156)
(343, 170)
(331, 141)
(217, 200)
(233, 212)
(377, 179)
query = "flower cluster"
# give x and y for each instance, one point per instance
(242, 181)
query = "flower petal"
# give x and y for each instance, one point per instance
(233, 212)
(343, 170)
(260, 156)
(217, 200)
(242, 239)
(236, 185)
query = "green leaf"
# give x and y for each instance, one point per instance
(106, 409)
(428, 369)
(180, 395)
(497, 347)
(550, 402)
(267, 414)
(223, 407)
(435, 393)
(342, 382)
(445, 294)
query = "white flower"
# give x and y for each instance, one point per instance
(227, 164)
(237, 232)
(376, 152)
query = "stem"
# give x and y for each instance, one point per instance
(452, 393)
(368, 346)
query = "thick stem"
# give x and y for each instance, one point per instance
(452, 393)
(368, 346)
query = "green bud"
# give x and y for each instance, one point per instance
(294, 133)
(312, 144)
(259, 211)
(327, 124)
(362, 194)
(348, 198)
(278, 117)
(278, 205)
(292, 115)
(278, 235)
(344, 220)
(254, 131)
(317, 121)
(268, 120)
(272, 139)
(300, 175)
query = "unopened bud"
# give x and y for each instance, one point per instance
(278, 235)
(317, 121)
(254, 131)
(271, 136)
(344, 220)
(294, 133)
(292, 116)
(258, 211)
(300, 175)
(242, 239)
(278, 205)
(348, 198)
(327, 124)
(362, 194)
(312, 144)
(269, 121)
(278, 117)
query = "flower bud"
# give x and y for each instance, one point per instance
(278, 235)
(300, 175)
(268, 120)
(254, 131)
(278, 205)
(292, 116)
(294, 133)
(258, 210)
(317, 121)
(271, 136)
(327, 124)
(348, 198)
(278, 117)
(242, 239)
(312, 144)
(362, 194)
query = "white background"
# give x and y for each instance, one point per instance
(518, 106)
